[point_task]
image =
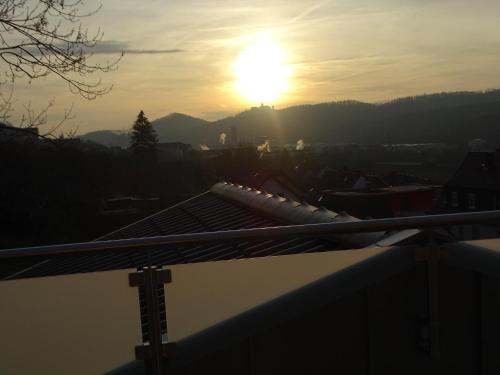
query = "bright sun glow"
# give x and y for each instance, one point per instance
(261, 72)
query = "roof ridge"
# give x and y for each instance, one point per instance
(290, 211)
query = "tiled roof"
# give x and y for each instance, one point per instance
(204, 213)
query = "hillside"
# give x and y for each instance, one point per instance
(175, 127)
(178, 127)
(451, 118)
(108, 138)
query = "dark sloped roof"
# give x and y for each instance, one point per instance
(479, 170)
(207, 212)
(225, 207)
(258, 179)
(346, 179)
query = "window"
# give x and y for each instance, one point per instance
(454, 199)
(471, 201)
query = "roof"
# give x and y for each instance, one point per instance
(479, 170)
(224, 207)
(206, 212)
(347, 179)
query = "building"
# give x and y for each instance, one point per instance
(391, 201)
(174, 152)
(10, 133)
(369, 196)
(346, 179)
(475, 186)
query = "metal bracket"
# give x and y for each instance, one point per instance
(155, 351)
(137, 279)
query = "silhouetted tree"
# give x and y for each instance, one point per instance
(143, 139)
(40, 38)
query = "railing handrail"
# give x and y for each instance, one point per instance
(303, 230)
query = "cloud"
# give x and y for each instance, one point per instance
(112, 47)
(153, 51)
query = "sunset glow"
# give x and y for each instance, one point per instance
(262, 74)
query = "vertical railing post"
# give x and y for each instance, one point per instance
(155, 350)
(432, 254)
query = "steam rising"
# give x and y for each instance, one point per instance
(222, 138)
(300, 145)
(265, 147)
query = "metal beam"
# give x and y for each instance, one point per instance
(306, 230)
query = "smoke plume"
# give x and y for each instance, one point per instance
(265, 147)
(222, 138)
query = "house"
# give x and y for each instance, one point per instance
(173, 151)
(10, 133)
(391, 201)
(346, 179)
(369, 196)
(475, 186)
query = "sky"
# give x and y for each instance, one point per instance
(179, 54)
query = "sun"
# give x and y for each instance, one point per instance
(261, 71)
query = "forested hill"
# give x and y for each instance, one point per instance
(446, 117)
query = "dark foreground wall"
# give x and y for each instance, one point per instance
(397, 311)
(383, 329)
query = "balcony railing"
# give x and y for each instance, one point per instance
(159, 354)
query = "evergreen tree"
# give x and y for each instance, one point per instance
(143, 139)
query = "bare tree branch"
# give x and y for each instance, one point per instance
(42, 37)
(30, 118)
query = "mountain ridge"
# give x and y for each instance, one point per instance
(448, 117)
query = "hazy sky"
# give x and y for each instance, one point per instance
(180, 54)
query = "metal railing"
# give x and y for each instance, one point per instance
(305, 230)
(155, 349)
